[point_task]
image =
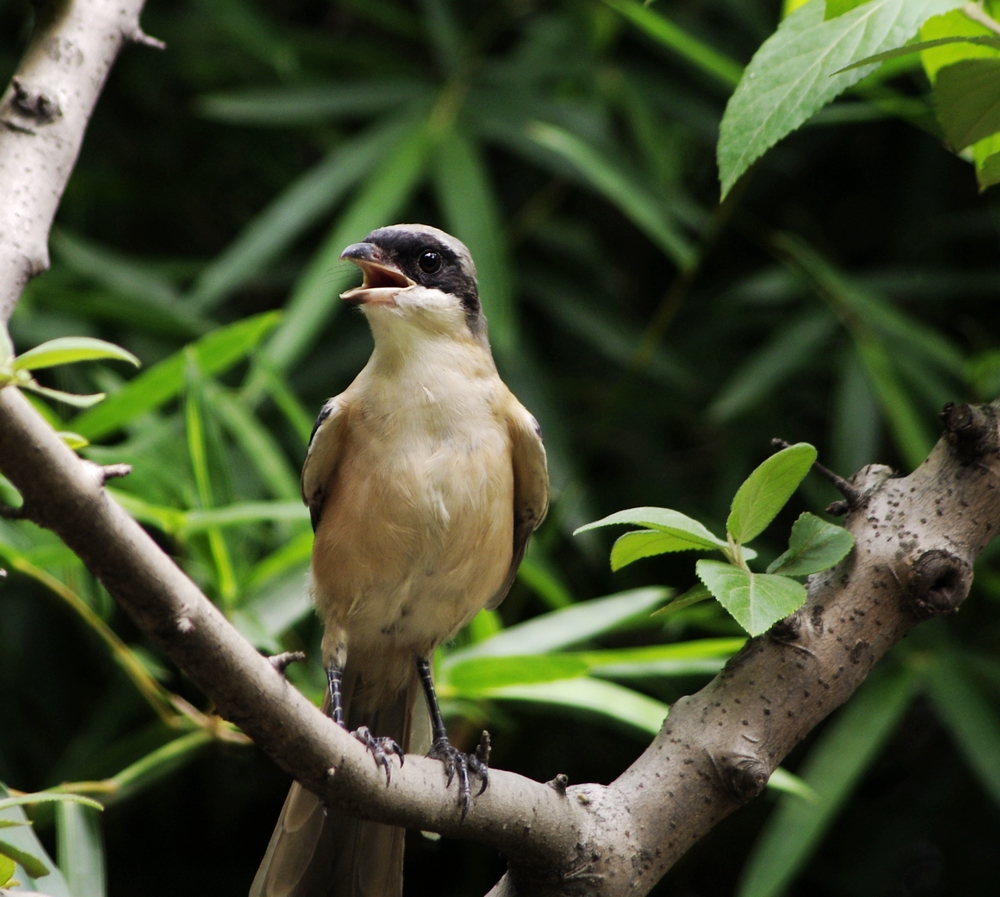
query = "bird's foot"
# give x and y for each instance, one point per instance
(461, 765)
(381, 748)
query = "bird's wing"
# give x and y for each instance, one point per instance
(531, 486)
(325, 445)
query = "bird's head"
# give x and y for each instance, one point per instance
(416, 276)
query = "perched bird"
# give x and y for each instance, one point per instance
(424, 478)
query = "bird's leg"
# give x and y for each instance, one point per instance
(456, 763)
(380, 747)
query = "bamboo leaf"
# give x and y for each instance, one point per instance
(216, 353)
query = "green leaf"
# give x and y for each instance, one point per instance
(767, 490)
(479, 674)
(7, 867)
(67, 398)
(782, 780)
(568, 626)
(643, 544)
(814, 545)
(846, 748)
(242, 513)
(309, 104)
(300, 205)
(590, 696)
(49, 797)
(986, 157)
(80, 849)
(31, 863)
(697, 657)
(969, 717)
(661, 29)
(24, 839)
(792, 348)
(921, 46)
(463, 187)
(967, 100)
(11, 823)
(216, 353)
(619, 187)
(74, 440)
(70, 349)
(799, 69)
(314, 299)
(755, 600)
(696, 594)
(664, 520)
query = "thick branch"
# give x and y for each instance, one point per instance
(43, 117)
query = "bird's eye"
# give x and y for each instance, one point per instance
(429, 261)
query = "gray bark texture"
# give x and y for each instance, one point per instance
(916, 540)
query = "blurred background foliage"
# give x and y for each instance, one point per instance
(844, 291)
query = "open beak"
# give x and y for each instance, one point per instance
(382, 280)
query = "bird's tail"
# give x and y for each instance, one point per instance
(321, 852)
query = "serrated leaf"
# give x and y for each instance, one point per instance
(814, 545)
(70, 349)
(755, 600)
(646, 543)
(664, 520)
(967, 100)
(31, 864)
(799, 69)
(766, 491)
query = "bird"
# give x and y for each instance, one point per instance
(424, 481)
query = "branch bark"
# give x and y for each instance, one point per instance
(916, 539)
(43, 118)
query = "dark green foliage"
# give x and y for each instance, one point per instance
(844, 290)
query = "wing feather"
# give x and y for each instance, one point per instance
(325, 446)
(531, 487)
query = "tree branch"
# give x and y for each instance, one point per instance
(915, 541)
(43, 118)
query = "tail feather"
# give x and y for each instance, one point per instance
(320, 852)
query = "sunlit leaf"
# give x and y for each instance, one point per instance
(590, 697)
(568, 626)
(800, 68)
(216, 353)
(767, 490)
(755, 600)
(478, 674)
(70, 349)
(665, 520)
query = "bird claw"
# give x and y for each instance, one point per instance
(381, 747)
(460, 765)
